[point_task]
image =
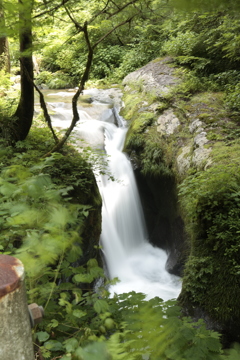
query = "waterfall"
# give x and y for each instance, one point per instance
(137, 264)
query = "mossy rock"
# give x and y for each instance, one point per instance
(205, 196)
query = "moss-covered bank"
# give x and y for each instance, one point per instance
(185, 146)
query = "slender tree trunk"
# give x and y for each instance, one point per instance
(25, 109)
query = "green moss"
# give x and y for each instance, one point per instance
(159, 59)
(211, 204)
(209, 283)
(213, 136)
(142, 121)
(225, 155)
(135, 135)
(132, 105)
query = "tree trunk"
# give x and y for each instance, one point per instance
(24, 112)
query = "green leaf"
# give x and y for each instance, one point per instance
(213, 344)
(79, 313)
(101, 306)
(53, 345)
(54, 323)
(8, 189)
(85, 278)
(95, 351)
(71, 345)
(42, 336)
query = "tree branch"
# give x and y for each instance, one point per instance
(51, 10)
(122, 8)
(76, 23)
(112, 30)
(86, 73)
(45, 113)
(80, 89)
(42, 102)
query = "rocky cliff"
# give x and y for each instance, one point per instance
(185, 149)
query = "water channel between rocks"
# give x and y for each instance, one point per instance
(139, 266)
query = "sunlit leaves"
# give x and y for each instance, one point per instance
(205, 5)
(32, 207)
(101, 306)
(79, 313)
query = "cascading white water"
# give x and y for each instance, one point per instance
(138, 265)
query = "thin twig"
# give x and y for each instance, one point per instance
(45, 113)
(51, 10)
(112, 30)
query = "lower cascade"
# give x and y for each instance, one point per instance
(129, 256)
(137, 264)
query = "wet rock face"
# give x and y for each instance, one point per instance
(165, 225)
(111, 96)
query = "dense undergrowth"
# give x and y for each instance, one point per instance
(45, 205)
(42, 224)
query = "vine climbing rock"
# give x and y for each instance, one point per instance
(15, 331)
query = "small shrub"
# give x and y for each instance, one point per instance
(232, 99)
(43, 77)
(181, 44)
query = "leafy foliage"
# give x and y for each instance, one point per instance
(211, 201)
(133, 328)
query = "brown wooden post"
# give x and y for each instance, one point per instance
(15, 328)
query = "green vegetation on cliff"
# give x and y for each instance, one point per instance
(193, 138)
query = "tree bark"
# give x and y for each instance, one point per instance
(25, 109)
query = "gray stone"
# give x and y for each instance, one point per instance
(111, 96)
(200, 140)
(156, 76)
(201, 155)
(153, 107)
(195, 125)
(168, 122)
(184, 160)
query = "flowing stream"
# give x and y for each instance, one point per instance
(137, 264)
